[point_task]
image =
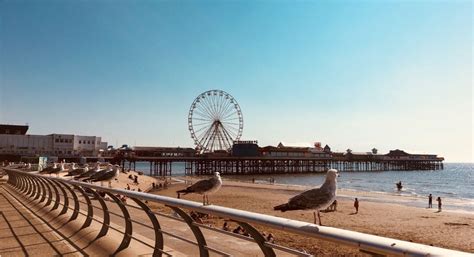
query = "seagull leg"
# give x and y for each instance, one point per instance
(203, 199)
(314, 216)
(319, 218)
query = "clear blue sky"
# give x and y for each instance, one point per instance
(351, 74)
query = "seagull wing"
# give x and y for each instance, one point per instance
(107, 176)
(311, 199)
(98, 174)
(202, 186)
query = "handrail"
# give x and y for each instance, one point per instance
(364, 242)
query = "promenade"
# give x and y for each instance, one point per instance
(23, 233)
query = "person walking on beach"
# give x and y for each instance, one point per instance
(439, 203)
(430, 201)
(356, 205)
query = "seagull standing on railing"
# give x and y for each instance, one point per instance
(49, 168)
(109, 176)
(72, 166)
(54, 169)
(204, 187)
(58, 170)
(314, 199)
(89, 173)
(77, 171)
(27, 167)
(99, 174)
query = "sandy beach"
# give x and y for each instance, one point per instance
(446, 229)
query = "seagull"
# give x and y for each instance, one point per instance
(58, 170)
(89, 173)
(204, 187)
(49, 168)
(109, 176)
(78, 171)
(100, 173)
(314, 199)
(72, 166)
(27, 167)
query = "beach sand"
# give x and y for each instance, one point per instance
(144, 181)
(421, 225)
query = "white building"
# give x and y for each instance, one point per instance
(49, 145)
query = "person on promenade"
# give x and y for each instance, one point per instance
(439, 203)
(356, 205)
(430, 201)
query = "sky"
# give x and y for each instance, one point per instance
(350, 74)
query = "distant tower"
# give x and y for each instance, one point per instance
(327, 149)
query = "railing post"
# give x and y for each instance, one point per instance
(56, 193)
(203, 252)
(156, 227)
(39, 190)
(106, 222)
(90, 208)
(66, 199)
(75, 213)
(127, 236)
(30, 184)
(50, 192)
(43, 186)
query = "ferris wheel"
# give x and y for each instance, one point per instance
(215, 121)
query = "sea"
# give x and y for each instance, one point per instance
(454, 184)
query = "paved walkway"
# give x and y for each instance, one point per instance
(24, 234)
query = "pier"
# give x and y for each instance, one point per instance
(162, 166)
(249, 159)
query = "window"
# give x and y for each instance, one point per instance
(56, 140)
(80, 141)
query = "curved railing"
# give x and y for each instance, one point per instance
(64, 195)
